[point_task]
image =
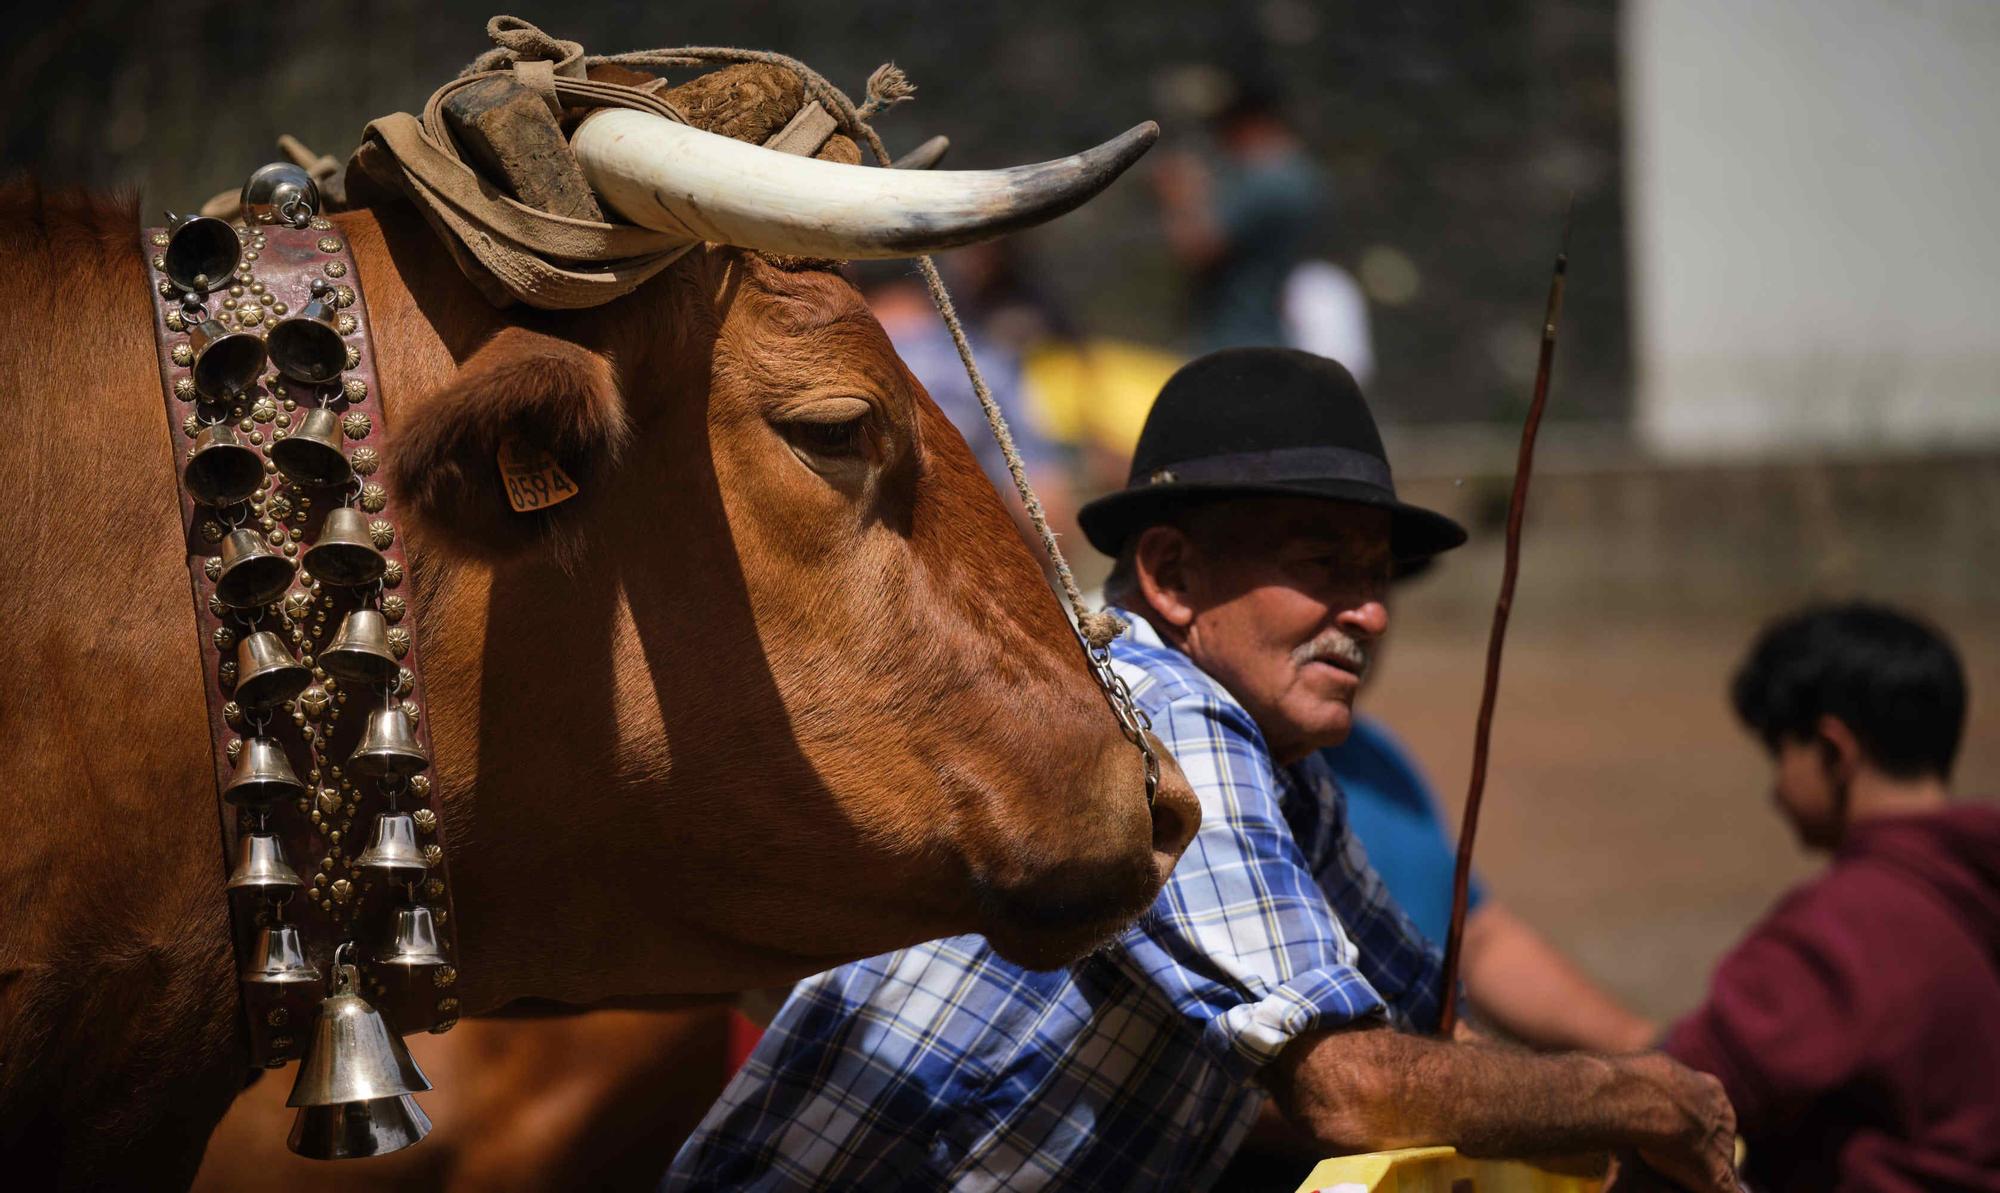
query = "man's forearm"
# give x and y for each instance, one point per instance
(1373, 1089)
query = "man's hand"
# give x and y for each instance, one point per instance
(1696, 1145)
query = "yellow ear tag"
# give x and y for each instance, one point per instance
(533, 478)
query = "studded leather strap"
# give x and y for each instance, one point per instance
(324, 831)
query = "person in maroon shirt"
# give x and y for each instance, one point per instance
(1857, 1028)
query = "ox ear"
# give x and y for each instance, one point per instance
(520, 388)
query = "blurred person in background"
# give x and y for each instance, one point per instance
(1857, 1028)
(1516, 979)
(901, 302)
(1239, 222)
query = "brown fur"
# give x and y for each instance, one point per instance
(762, 720)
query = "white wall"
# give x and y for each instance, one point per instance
(1815, 222)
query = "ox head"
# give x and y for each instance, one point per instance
(780, 686)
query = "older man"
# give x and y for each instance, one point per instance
(1253, 544)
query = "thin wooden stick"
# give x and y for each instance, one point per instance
(1482, 736)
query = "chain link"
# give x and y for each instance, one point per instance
(1132, 720)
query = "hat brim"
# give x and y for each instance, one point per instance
(1414, 532)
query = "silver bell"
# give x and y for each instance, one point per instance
(344, 553)
(278, 959)
(415, 942)
(359, 652)
(202, 252)
(304, 346)
(227, 361)
(222, 469)
(252, 573)
(261, 866)
(353, 1130)
(394, 849)
(266, 672)
(311, 454)
(263, 774)
(353, 1056)
(389, 748)
(280, 193)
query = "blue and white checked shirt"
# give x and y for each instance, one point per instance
(943, 1066)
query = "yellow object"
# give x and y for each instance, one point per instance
(1443, 1170)
(1096, 392)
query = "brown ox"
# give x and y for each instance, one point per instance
(782, 688)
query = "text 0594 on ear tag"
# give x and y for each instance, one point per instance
(533, 479)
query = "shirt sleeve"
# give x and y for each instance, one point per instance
(1241, 941)
(1405, 968)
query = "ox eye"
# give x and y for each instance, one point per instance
(829, 439)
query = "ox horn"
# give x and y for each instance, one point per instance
(681, 180)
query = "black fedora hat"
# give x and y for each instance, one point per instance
(1261, 421)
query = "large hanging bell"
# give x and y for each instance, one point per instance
(278, 958)
(222, 469)
(345, 553)
(227, 360)
(354, 1130)
(388, 748)
(263, 773)
(352, 1055)
(359, 652)
(261, 866)
(394, 850)
(280, 193)
(415, 942)
(266, 672)
(202, 252)
(252, 573)
(304, 346)
(311, 454)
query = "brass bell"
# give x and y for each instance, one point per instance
(261, 866)
(359, 652)
(280, 193)
(278, 958)
(352, 1055)
(202, 252)
(311, 454)
(415, 942)
(352, 1130)
(252, 574)
(394, 849)
(226, 360)
(388, 748)
(304, 346)
(344, 553)
(263, 773)
(266, 672)
(222, 469)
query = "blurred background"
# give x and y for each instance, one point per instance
(1777, 377)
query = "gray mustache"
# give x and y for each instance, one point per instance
(1336, 646)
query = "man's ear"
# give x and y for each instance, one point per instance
(1839, 747)
(1161, 561)
(534, 392)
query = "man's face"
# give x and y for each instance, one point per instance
(1283, 602)
(1805, 788)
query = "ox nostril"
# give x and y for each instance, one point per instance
(1176, 811)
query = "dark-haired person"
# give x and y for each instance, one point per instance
(1253, 541)
(1857, 1028)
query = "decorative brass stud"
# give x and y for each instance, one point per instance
(232, 713)
(280, 506)
(427, 820)
(159, 240)
(365, 460)
(297, 604)
(212, 568)
(356, 425)
(420, 786)
(184, 389)
(405, 680)
(444, 976)
(393, 608)
(212, 531)
(434, 889)
(226, 673)
(442, 1026)
(175, 322)
(346, 324)
(336, 269)
(224, 637)
(183, 355)
(399, 641)
(250, 316)
(321, 223)
(433, 854)
(343, 295)
(264, 409)
(166, 288)
(278, 1017)
(329, 244)
(354, 389)
(343, 890)
(314, 702)
(353, 357)
(216, 607)
(373, 498)
(234, 748)
(191, 426)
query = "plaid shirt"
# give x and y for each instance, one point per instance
(944, 1066)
